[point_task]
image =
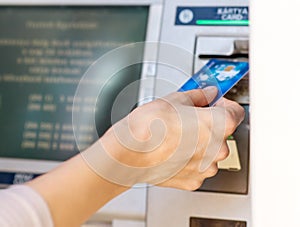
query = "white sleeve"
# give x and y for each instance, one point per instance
(20, 205)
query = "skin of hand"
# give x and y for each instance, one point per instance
(190, 178)
(164, 117)
(74, 191)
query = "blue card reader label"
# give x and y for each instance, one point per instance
(213, 16)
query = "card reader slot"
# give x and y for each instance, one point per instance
(232, 56)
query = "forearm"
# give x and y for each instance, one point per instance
(74, 192)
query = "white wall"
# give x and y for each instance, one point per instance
(275, 112)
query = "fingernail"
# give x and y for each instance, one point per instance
(211, 89)
(210, 92)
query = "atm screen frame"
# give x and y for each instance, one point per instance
(36, 167)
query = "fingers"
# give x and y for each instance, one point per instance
(196, 97)
(234, 114)
(216, 123)
(223, 153)
(190, 178)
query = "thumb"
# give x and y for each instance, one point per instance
(201, 97)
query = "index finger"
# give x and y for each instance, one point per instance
(235, 113)
(195, 97)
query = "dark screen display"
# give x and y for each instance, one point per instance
(44, 52)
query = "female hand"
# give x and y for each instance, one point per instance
(173, 141)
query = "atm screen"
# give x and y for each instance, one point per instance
(44, 52)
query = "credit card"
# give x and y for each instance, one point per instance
(223, 74)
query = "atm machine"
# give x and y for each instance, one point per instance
(208, 29)
(183, 34)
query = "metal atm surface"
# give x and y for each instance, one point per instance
(223, 200)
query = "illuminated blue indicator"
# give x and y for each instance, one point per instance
(213, 16)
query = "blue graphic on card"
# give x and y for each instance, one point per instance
(223, 74)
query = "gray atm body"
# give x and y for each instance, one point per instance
(172, 63)
(223, 200)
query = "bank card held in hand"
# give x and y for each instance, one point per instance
(222, 74)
